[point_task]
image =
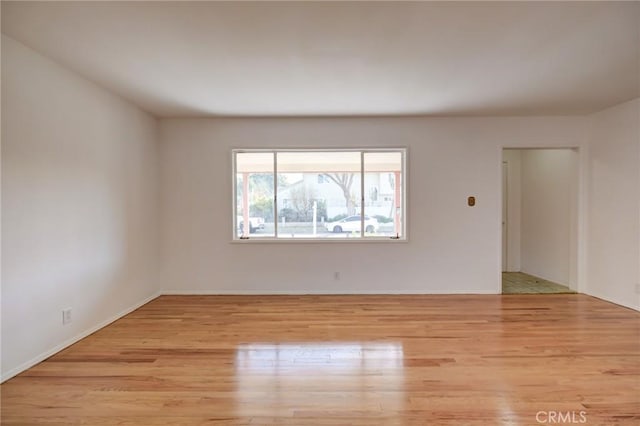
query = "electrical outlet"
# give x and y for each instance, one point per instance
(336, 276)
(66, 316)
(638, 288)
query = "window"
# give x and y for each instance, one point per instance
(319, 194)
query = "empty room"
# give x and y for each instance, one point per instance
(312, 213)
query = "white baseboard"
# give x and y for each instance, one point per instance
(37, 359)
(624, 303)
(307, 293)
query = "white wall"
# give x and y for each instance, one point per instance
(614, 210)
(513, 158)
(548, 221)
(452, 248)
(79, 206)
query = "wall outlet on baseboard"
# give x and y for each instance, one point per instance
(66, 316)
(336, 276)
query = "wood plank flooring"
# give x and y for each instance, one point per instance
(344, 360)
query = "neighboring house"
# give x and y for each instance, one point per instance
(378, 194)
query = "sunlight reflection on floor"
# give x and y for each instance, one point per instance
(342, 377)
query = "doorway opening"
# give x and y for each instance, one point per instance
(539, 220)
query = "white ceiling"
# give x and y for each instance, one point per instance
(344, 58)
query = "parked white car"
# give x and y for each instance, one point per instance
(255, 223)
(352, 224)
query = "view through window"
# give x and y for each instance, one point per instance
(319, 194)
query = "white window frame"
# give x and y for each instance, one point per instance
(362, 238)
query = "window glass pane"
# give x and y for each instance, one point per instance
(254, 194)
(313, 207)
(383, 194)
(321, 194)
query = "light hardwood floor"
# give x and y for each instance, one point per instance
(344, 360)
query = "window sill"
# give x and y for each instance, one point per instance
(382, 240)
